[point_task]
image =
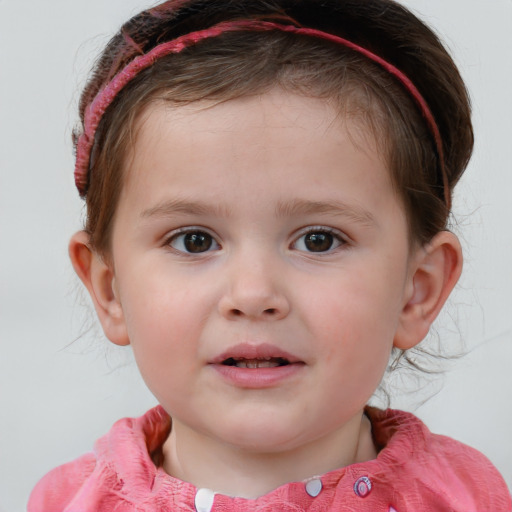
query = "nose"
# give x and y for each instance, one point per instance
(255, 290)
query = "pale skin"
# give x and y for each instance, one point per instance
(301, 245)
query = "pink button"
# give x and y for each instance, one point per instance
(363, 487)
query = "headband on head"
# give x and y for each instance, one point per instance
(95, 110)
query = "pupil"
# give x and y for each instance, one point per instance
(197, 242)
(318, 242)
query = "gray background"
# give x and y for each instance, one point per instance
(62, 386)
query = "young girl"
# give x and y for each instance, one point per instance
(268, 184)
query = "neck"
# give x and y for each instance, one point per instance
(246, 473)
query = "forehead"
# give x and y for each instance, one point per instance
(250, 123)
(273, 144)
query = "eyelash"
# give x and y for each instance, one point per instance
(177, 240)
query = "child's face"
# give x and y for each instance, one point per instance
(259, 228)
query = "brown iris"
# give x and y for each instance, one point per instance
(318, 242)
(197, 242)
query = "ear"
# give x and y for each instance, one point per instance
(435, 269)
(98, 277)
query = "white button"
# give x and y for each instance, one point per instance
(313, 487)
(392, 509)
(204, 500)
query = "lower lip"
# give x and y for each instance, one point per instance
(258, 378)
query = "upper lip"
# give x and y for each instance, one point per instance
(260, 351)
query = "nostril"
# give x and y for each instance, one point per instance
(269, 311)
(252, 311)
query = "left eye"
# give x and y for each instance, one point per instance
(320, 240)
(193, 242)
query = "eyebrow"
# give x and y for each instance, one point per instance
(292, 208)
(184, 207)
(335, 208)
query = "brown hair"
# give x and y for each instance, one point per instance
(243, 63)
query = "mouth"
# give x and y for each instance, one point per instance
(254, 363)
(260, 366)
(247, 355)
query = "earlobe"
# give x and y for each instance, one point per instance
(98, 277)
(435, 270)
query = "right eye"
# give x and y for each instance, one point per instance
(193, 242)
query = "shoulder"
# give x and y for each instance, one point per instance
(462, 475)
(57, 489)
(441, 471)
(101, 480)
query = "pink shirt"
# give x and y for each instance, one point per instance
(415, 471)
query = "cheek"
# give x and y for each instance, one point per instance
(357, 304)
(164, 321)
(158, 303)
(354, 322)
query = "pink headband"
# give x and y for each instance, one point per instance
(94, 112)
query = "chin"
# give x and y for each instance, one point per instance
(262, 437)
